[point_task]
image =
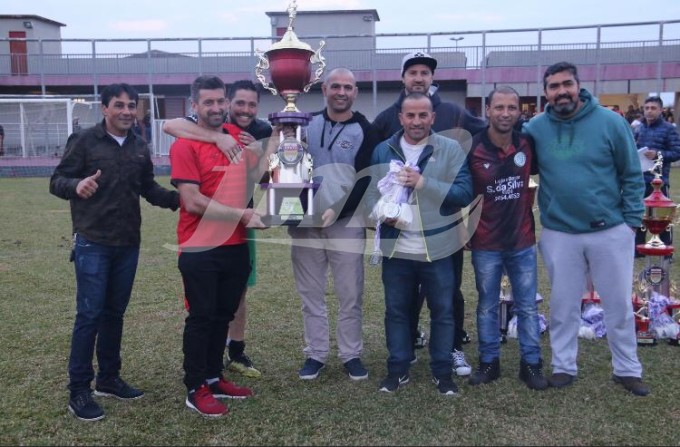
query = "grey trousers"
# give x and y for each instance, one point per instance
(608, 256)
(314, 250)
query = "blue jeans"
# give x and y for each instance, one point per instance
(400, 279)
(520, 266)
(104, 278)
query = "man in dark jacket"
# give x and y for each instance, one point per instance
(417, 250)
(417, 73)
(660, 138)
(103, 172)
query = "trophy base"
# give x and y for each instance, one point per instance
(290, 204)
(649, 250)
(291, 220)
(645, 339)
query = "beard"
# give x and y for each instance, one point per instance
(565, 109)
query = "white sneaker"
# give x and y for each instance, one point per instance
(460, 366)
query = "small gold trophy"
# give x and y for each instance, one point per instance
(290, 190)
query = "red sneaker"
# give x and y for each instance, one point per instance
(205, 403)
(224, 388)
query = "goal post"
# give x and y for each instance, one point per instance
(38, 127)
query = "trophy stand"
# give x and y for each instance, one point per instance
(505, 309)
(655, 276)
(290, 191)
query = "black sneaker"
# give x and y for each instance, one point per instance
(445, 386)
(117, 388)
(486, 372)
(355, 369)
(633, 384)
(84, 407)
(532, 375)
(390, 384)
(560, 380)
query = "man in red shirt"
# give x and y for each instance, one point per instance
(214, 260)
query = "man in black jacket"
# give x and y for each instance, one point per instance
(417, 71)
(103, 172)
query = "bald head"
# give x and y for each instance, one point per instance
(340, 91)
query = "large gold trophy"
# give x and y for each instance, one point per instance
(290, 190)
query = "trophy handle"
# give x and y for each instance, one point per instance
(317, 58)
(263, 64)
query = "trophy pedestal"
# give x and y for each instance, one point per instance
(655, 276)
(290, 204)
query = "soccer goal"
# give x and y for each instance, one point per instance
(39, 127)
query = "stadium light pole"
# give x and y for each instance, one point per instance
(456, 39)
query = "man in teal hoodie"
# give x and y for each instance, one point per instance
(590, 197)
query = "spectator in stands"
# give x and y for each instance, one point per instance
(591, 202)
(631, 113)
(2, 141)
(106, 237)
(417, 72)
(660, 138)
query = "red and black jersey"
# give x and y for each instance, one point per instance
(205, 165)
(507, 221)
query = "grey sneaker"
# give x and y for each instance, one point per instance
(460, 366)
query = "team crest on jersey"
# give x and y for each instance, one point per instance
(487, 165)
(520, 159)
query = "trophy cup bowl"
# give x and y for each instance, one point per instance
(290, 69)
(659, 214)
(290, 191)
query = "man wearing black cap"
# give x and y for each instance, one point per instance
(417, 71)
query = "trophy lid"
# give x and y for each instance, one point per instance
(290, 39)
(657, 199)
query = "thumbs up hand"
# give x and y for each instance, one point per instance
(88, 186)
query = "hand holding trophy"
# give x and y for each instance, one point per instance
(290, 190)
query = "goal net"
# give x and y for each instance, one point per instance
(39, 127)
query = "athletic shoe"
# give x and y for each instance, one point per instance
(202, 401)
(355, 369)
(560, 380)
(84, 407)
(460, 366)
(390, 384)
(633, 384)
(117, 388)
(311, 369)
(243, 365)
(445, 386)
(226, 389)
(532, 375)
(486, 372)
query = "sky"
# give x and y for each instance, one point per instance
(227, 18)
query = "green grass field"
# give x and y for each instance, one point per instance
(38, 306)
